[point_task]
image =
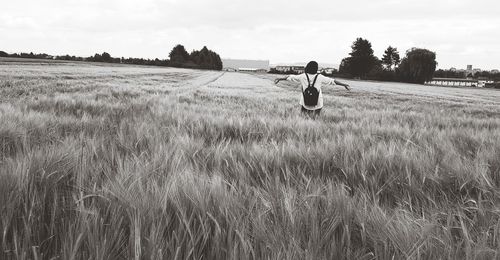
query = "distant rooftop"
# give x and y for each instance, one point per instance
(454, 79)
(241, 63)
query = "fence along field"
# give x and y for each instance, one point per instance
(125, 162)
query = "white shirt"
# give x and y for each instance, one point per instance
(302, 79)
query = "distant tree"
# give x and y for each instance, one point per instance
(206, 59)
(391, 58)
(217, 61)
(197, 58)
(361, 60)
(378, 73)
(106, 57)
(97, 57)
(25, 55)
(178, 55)
(418, 66)
(486, 75)
(440, 73)
(448, 74)
(345, 66)
(3, 54)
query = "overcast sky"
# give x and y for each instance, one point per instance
(460, 32)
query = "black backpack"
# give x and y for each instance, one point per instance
(311, 94)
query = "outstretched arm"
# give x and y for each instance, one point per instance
(277, 80)
(346, 86)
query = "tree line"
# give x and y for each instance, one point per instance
(418, 65)
(202, 59)
(461, 74)
(178, 57)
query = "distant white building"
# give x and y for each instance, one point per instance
(327, 70)
(286, 68)
(252, 70)
(454, 82)
(495, 71)
(482, 82)
(259, 66)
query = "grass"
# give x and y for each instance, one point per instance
(124, 162)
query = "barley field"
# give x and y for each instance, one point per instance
(102, 161)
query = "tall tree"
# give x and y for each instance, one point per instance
(391, 58)
(106, 57)
(418, 66)
(361, 59)
(216, 61)
(179, 55)
(345, 65)
(206, 59)
(97, 58)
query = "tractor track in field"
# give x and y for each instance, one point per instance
(190, 87)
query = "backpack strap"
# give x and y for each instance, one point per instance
(309, 81)
(315, 78)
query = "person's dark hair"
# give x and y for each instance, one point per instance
(312, 67)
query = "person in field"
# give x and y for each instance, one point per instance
(311, 100)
